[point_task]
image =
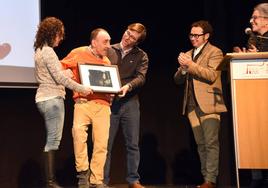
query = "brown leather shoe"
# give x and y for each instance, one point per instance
(135, 185)
(208, 185)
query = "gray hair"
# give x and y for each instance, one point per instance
(263, 9)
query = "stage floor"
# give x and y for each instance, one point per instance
(158, 186)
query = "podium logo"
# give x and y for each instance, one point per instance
(5, 49)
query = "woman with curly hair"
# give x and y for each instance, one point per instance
(52, 80)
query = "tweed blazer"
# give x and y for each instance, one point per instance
(206, 80)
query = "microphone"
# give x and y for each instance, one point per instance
(252, 37)
(249, 31)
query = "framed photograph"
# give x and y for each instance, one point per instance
(100, 78)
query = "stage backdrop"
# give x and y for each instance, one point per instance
(19, 20)
(168, 151)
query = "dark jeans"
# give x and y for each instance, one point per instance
(127, 115)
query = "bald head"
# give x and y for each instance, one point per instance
(100, 41)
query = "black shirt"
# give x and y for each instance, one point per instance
(260, 41)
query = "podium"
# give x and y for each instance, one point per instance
(249, 90)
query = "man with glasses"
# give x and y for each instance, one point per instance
(258, 42)
(203, 100)
(132, 63)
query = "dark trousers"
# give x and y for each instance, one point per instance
(206, 131)
(125, 114)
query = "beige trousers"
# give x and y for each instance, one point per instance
(98, 115)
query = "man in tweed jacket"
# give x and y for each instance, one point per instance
(203, 100)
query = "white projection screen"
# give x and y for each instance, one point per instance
(19, 21)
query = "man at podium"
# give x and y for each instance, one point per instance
(203, 100)
(258, 34)
(258, 42)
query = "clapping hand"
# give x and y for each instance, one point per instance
(252, 48)
(184, 60)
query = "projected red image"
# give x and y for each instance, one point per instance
(5, 48)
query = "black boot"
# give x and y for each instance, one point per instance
(83, 179)
(50, 169)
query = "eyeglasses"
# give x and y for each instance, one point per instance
(132, 37)
(195, 36)
(256, 17)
